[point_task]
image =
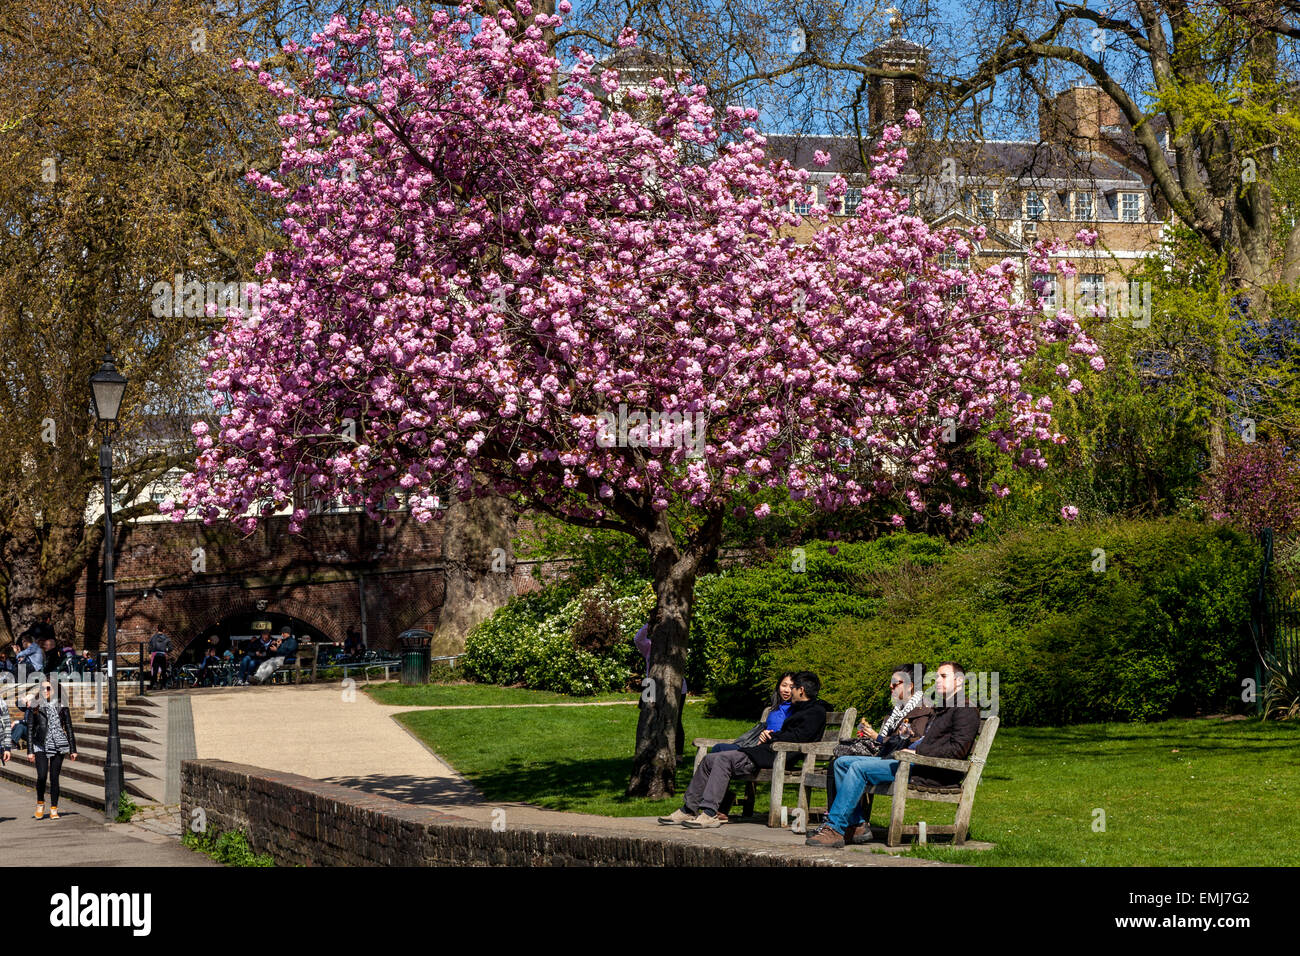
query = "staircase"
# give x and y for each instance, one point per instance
(142, 730)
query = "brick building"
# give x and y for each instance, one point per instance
(1084, 171)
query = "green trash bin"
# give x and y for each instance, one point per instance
(415, 646)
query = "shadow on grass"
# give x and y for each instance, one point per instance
(565, 784)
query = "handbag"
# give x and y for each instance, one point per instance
(750, 737)
(893, 744)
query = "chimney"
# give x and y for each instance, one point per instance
(1077, 117)
(888, 99)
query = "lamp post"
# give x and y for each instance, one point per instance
(107, 386)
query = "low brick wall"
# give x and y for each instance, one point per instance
(301, 821)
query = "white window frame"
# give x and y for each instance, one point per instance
(1075, 197)
(1049, 294)
(1137, 213)
(805, 209)
(992, 208)
(1042, 206)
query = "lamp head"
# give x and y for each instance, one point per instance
(107, 386)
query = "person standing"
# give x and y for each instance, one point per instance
(4, 732)
(160, 645)
(52, 738)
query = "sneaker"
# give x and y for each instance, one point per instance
(40, 812)
(54, 813)
(676, 818)
(704, 821)
(826, 838)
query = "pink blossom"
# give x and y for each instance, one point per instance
(471, 310)
(1069, 512)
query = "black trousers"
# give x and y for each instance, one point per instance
(51, 764)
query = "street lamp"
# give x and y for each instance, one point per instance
(107, 386)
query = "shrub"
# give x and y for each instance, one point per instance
(1160, 632)
(562, 641)
(744, 616)
(230, 848)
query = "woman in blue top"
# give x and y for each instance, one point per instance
(781, 701)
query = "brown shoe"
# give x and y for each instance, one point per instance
(826, 838)
(857, 834)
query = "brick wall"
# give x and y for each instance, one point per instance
(304, 822)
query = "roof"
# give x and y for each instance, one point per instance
(1027, 160)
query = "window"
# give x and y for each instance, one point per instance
(985, 206)
(1130, 207)
(1084, 206)
(1048, 293)
(157, 494)
(804, 208)
(948, 259)
(1035, 208)
(851, 200)
(1092, 290)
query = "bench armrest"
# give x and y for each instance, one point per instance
(824, 748)
(707, 742)
(944, 763)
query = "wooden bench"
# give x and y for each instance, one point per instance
(962, 794)
(839, 728)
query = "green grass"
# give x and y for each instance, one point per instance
(427, 695)
(1176, 793)
(565, 758)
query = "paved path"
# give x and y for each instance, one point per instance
(319, 731)
(80, 838)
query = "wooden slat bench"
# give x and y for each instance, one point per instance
(839, 728)
(962, 794)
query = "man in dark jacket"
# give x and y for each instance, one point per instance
(804, 724)
(951, 733)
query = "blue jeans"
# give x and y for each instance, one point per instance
(719, 748)
(853, 775)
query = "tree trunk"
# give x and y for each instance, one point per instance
(654, 766)
(30, 590)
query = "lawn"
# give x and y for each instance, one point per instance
(449, 694)
(1177, 793)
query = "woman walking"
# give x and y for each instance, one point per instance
(50, 726)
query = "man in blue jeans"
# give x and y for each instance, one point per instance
(951, 733)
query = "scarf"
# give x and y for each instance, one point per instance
(896, 717)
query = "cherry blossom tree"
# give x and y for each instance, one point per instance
(606, 319)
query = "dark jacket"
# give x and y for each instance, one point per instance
(803, 725)
(951, 733)
(36, 724)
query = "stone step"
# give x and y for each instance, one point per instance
(96, 746)
(83, 786)
(122, 721)
(101, 732)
